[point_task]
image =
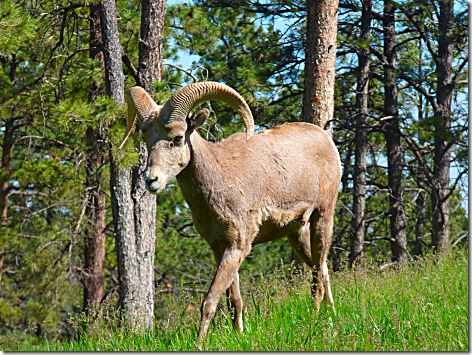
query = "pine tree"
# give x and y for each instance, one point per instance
(392, 138)
(320, 60)
(150, 69)
(443, 38)
(94, 240)
(360, 143)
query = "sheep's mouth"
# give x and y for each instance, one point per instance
(155, 190)
(158, 191)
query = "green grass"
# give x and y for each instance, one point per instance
(419, 306)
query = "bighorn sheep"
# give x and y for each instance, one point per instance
(242, 191)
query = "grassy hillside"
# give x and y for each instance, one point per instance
(417, 307)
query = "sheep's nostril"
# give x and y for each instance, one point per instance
(150, 181)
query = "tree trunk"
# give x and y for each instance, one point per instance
(337, 244)
(123, 222)
(94, 248)
(150, 69)
(114, 77)
(120, 183)
(442, 127)
(95, 242)
(134, 209)
(392, 137)
(7, 145)
(320, 61)
(360, 140)
(150, 45)
(96, 41)
(8, 131)
(420, 201)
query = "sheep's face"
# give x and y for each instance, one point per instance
(168, 148)
(168, 152)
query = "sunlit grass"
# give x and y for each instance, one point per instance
(419, 306)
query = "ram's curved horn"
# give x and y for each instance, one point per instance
(140, 103)
(183, 101)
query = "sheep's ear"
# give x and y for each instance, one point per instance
(198, 118)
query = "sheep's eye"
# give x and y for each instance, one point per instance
(178, 139)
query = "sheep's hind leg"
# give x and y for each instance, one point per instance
(300, 243)
(228, 266)
(235, 303)
(321, 231)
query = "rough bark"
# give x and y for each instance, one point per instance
(392, 137)
(112, 51)
(134, 209)
(150, 45)
(96, 41)
(120, 183)
(96, 38)
(145, 234)
(94, 246)
(144, 203)
(442, 127)
(320, 60)
(360, 140)
(420, 201)
(124, 231)
(337, 244)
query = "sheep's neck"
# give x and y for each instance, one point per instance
(202, 176)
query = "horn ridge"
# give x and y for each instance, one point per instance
(143, 103)
(140, 104)
(185, 99)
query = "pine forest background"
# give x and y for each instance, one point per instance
(400, 125)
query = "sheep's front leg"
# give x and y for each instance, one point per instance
(227, 269)
(235, 303)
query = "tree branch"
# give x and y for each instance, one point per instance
(181, 69)
(420, 30)
(459, 69)
(69, 58)
(61, 35)
(401, 75)
(131, 68)
(39, 137)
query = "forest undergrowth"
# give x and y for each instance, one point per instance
(416, 306)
